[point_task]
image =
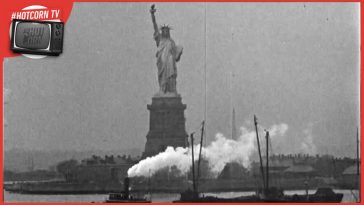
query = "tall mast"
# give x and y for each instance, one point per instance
(260, 155)
(149, 186)
(200, 153)
(193, 165)
(267, 162)
(357, 152)
(358, 162)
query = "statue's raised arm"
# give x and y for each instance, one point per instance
(155, 26)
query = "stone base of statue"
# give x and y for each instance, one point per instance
(166, 124)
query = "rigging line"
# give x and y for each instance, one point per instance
(205, 28)
(231, 103)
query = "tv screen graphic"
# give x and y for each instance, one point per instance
(37, 37)
(32, 35)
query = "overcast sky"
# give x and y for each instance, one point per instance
(293, 63)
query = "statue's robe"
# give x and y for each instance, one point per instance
(167, 56)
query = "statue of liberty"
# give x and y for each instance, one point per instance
(168, 53)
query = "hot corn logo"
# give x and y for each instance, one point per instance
(36, 14)
(33, 36)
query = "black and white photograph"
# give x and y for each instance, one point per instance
(188, 102)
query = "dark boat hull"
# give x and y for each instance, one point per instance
(60, 188)
(127, 201)
(312, 198)
(254, 199)
(247, 199)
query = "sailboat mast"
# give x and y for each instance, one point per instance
(193, 165)
(357, 152)
(260, 155)
(267, 162)
(358, 162)
(149, 186)
(200, 153)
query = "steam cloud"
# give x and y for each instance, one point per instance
(220, 152)
(307, 145)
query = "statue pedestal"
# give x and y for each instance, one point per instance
(166, 124)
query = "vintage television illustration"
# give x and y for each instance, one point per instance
(37, 37)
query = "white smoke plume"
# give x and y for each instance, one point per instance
(224, 150)
(220, 152)
(307, 145)
(278, 130)
(179, 157)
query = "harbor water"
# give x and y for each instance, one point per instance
(349, 196)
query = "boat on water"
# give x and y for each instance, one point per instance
(60, 188)
(267, 194)
(322, 195)
(125, 197)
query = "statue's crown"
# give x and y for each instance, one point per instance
(166, 27)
